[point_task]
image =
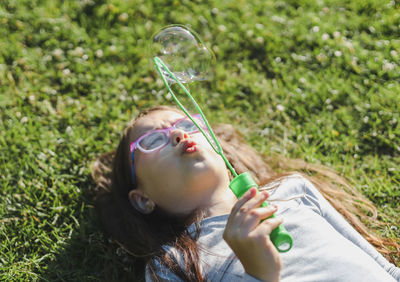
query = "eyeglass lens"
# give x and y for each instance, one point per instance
(154, 140)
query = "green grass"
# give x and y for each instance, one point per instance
(317, 80)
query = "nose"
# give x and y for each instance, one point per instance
(177, 135)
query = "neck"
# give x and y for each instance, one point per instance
(221, 202)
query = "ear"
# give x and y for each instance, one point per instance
(141, 202)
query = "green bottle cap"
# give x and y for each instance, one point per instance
(241, 183)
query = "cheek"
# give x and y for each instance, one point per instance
(201, 140)
(145, 168)
(155, 170)
(210, 153)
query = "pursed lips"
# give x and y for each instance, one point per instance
(188, 146)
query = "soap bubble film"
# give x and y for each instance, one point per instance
(183, 52)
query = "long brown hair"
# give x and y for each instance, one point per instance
(143, 235)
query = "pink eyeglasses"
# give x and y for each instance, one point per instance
(157, 139)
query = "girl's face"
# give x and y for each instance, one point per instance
(184, 175)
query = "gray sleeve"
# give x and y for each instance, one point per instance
(248, 278)
(314, 197)
(163, 274)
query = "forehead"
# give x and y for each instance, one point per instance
(154, 120)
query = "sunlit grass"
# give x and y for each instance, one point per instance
(317, 80)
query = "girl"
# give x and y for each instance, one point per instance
(165, 198)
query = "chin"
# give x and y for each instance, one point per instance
(209, 169)
(205, 163)
(208, 160)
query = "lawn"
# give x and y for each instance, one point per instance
(315, 80)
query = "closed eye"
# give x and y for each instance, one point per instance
(153, 140)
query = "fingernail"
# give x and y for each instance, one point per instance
(251, 191)
(275, 207)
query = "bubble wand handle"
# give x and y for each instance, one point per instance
(241, 183)
(280, 237)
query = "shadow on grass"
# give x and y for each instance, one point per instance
(89, 256)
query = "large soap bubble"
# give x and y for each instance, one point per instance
(183, 52)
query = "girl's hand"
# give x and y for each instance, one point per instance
(249, 239)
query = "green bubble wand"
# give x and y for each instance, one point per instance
(240, 183)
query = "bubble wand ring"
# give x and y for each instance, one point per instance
(241, 183)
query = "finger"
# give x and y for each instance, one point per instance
(264, 212)
(255, 202)
(264, 229)
(269, 224)
(247, 196)
(262, 232)
(255, 215)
